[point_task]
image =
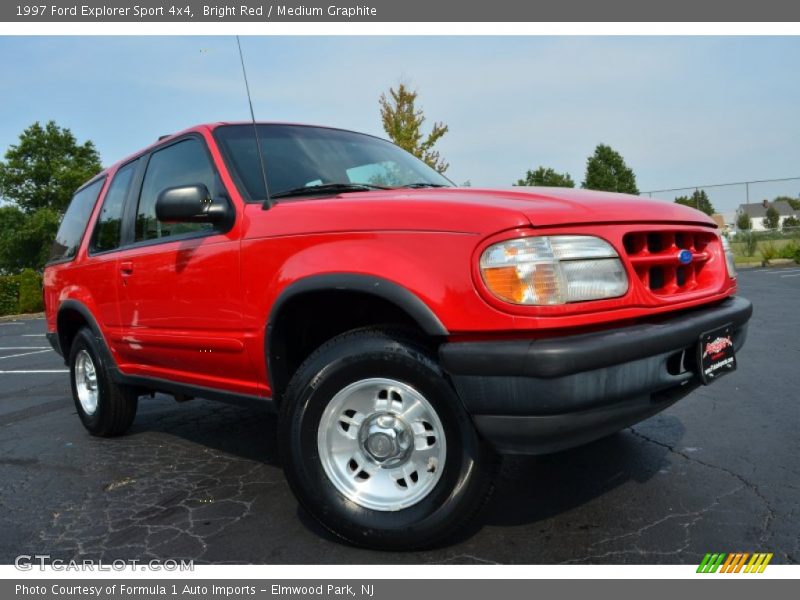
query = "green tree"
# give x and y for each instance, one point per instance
(606, 171)
(772, 219)
(793, 202)
(744, 222)
(699, 200)
(11, 221)
(402, 121)
(27, 245)
(37, 180)
(546, 177)
(45, 168)
(791, 222)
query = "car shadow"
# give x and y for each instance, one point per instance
(528, 489)
(243, 432)
(534, 488)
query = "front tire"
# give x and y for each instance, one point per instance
(105, 408)
(377, 446)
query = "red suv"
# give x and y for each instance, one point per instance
(406, 330)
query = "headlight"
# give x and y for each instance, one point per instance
(553, 270)
(728, 256)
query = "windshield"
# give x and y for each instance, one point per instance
(298, 156)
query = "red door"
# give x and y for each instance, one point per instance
(180, 289)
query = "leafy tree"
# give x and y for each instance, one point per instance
(699, 200)
(27, 244)
(606, 171)
(772, 219)
(46, 167)
(793, 202)
(402, 121)
(37, 179)
(744, 222)
(11, 221)
(546, 177)
(791, 222)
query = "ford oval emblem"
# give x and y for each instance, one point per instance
(685, 257)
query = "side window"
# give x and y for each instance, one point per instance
(184, 163)
(107, 231)
(73, 225)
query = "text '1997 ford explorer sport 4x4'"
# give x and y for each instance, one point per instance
(406, 330)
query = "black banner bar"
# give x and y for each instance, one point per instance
(401, 10)
(733, 588)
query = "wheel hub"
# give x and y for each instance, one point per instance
(386, 439)
(381, 444)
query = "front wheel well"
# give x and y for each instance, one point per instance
(308, 320)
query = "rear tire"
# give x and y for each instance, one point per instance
(377, 446)
(105, 408)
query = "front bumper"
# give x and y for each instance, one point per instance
(534, 397)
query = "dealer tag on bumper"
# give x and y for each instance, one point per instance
(716, 355)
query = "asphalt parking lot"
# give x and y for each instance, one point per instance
(719, 471)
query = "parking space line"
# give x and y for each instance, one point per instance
(795, 275)
(779, 271)
(24, 348)
(13, 323)
(24, 354)
(33, 335)
(38, 371)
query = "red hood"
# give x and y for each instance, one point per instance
(554, 206)
(473, 210)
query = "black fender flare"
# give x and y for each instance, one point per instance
(396, 294)
(91, 322)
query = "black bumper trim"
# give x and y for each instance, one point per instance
(558, 357)
(543, 434)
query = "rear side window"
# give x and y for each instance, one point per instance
(107, 232)
(184, 163)
(70, 233)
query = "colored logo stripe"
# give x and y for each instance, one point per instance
(735, 562)
(711, 563)
(738, 562)
(758, 563)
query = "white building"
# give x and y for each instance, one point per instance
(758, 212)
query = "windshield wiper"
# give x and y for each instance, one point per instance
(422, 184)
(325, 188)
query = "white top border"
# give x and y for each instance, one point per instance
(439, 29)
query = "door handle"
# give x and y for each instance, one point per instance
(126, 267)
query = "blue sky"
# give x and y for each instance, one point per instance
(681, 110)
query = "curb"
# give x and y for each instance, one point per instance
(25, 317)
(775, 263)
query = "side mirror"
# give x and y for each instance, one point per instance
(192, 204)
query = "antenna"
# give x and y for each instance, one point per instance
(267, 201)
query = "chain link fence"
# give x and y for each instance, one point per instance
(760, 244)
(726, 198)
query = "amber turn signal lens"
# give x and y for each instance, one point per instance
(504, 283)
